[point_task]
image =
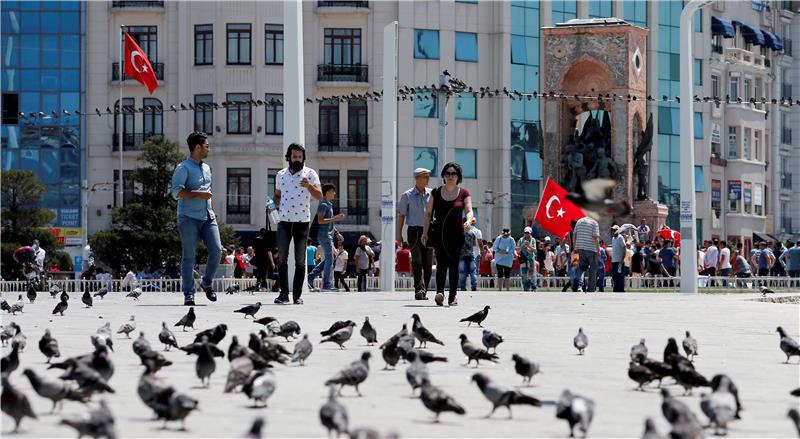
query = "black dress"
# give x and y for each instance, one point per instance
(446, 233)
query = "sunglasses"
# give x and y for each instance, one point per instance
(451, 174)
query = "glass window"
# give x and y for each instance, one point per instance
(698, 125)
(698, 72)
(746, 144)
(239, 113)
(466, 46)
(238, 36)
(467, 159)
(204, 114)
(357, 200)
(238, 196)
(331, 176)
(29, 22)
(127, 186)
(146, 37)
(600, 9)
(466, 106)
(426, 157)
(127, 123)
(733, 145)
(342, 46)
(271, 174)
(274, 113)
(635, 12)
(747, 86)
(329, 121)
(153, 118)
(273, 43)
(698, 21)
(699, 182)
(518, 53)
(203, 44)
(70, 79)
(715, 86)
(733, 89)
(426, 105)
(757, 145)
(29, 45)
(564, 10)
(70, 51)
(357, 122)
(426, 44)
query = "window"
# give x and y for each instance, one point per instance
(716, 198)
(733, 89)
(699, 180)
(758, 93)
(357, 196)
(466, 47)
(203, 44)
(715, 86)
(153, 118)
(698, 72)
(238, 196)
(600, 9)
(146, 37)
(466, 106)
(127, 119)
(564, 10)
(746, 144)
(204, 114)
(357, 122)
(733, 146)
(329, 118)
(238, 113)
(343, 46)
(273, 43)
(734, 195)
(635, 12)
(426, 44)
(748, 82)
(467, 159)
(274, 114)
(271, 174)
(747, 196)
(698, 21)
(426, 105)
(426, 157)
(698, 125)
(331, 176)
(757, 145)
(238, 44)
(127, 186)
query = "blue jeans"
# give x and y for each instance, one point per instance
(601, 278)
(618, 276)
(587, 264)
(468, 269)
(326, 266)
(191, 230)
(528, 283)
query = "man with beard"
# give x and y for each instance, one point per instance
(294, 187)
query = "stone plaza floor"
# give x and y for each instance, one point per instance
(736, 336)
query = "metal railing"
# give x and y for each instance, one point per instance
(157, 66)
(131, 142)
(329, 142)
(115, 285)
(343, 4)
(137, 4)
(343, 72)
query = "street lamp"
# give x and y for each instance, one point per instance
(688, 211)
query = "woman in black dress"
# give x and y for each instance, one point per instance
(447, 217)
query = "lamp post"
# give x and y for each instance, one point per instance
(389, 156)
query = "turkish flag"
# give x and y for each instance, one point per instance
(555, 212)
(137, 66)
(673, 235)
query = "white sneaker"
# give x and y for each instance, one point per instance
(580, 290)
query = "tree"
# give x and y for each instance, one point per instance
(21, 196)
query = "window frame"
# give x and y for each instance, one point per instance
(204, 38)
(236, 180)
(240, 109)
(204, 109)
(338, 38)
(275, 38)
(274, 112)
(418, 33)
(232, 33)
(154, 117)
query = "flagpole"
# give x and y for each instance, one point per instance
(119, 124)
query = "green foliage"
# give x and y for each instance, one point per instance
(21, 196)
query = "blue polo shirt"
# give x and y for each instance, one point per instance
(325, 231)
(193, 175)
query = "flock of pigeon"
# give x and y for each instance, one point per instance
(251, 371)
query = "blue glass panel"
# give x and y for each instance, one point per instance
(698, 125)
(532, 50)
(70, 51)
(699, 181)
(50, 22)
(29, 79)
(29, 48)
(50, 51)
(426, 44)
(29, 6)
(49, 167)
(29, 102)
(70, 79)
(517, 110)
(70, 22)
(29, 22)
(50, 6)
(49, 103)
(425, 105)
(10, 136)
(51, 79)
(466, 46)
(531, 78)
(10, 50)
(10, 159)
(425, 157)
(10, 79)
(697, 78)
(532, 22)
(10, 21)
(676, 120)
(533, 166)
(698, 21)
(517, 20)
(466, 106)
(518, 52)
(517, 76)
(466, 158)
(29, 160)
(70, 6)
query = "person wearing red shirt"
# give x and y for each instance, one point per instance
(404, 260)
(485, 266)
(239, 265)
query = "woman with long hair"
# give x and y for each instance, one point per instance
(447, 217)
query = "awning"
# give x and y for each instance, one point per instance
(752, 35)
(772, 41)
(760, 236)
(722, 27)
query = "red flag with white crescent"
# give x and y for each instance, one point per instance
(555, 212)
(674, 235)
(137, 66)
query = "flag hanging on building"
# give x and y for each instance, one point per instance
(555, 212)
(137, 66)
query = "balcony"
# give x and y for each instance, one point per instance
(137, 4)
(716, 48)
(329, 142)
(158, 66)
(746, 57)
(786, 181)
(354, 215)
(131, 141)
(342, 4)
(343, 73)
(789, 5)
(786, 136)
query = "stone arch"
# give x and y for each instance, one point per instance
(587, 76)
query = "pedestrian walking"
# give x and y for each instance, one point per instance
(325, 219)
(602, 257)
(403, 257)
(618, 252)
(191, 186)
(411, 213)
(587, 242)
(527, 260)
(363, 255)
(468, 260)
(340, 266)
(763, 259)
(504, 258)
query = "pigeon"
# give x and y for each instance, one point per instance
(389, 353)
(170, 405)
(101, 293)
(8, 332)
(717, 381)
(422, 333)
(187, 320)
(239, 372)
(15, 404)
(491, 340)
(31, 293)
(127, 328)
(687, 377)
(154, 360)
(166, 337)
(788, 345)
(595, 197)
(428, 357)
(89, 380)
(576, 410)
(232, 289)
(249, 310)
(194, 348)
(641, 374)
(60, 307)
(98, 422)
(99, 361)
(54, 390)
(333, 415)
(18, 306)
(650, 431)
(288, 329)
(677, 413)
(205, 364)
(19, 339)
(63, 296)
(260, 386)
(49, 346)
(10, 362)
(255, 428)
(437, 401)
(478, 317)
(794, 415)
(795, 392)
(4, 306)
(236, 350)
(150, 386)
(265, 320)
(405, 344)
(335, 327)
(719, 407)
(54, 290)
(215, 334)
(580, 341)
(416, 371)
(671, 348)
(525, 368)
(764, 291)
(252, 289)
(302, 350)
(87, 299)
(352, 375)
(501, 396)
(368, 332)
(341, 336)
(474, 353)
(690, 346)
(104, 333)
(140, 345)
(639, 352)
(135, 293)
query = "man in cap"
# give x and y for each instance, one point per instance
(411, 212)
(618, 252)
(504, 258)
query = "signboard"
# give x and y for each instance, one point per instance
(758, 5)
(758, 194)
(748, 194)
(734, 190)
(716, 133)
(78, 263)
(66, 232)
(716, 191)
(69, 217)
(686, 212)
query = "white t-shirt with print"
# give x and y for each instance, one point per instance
(295, 200)
(726, 252)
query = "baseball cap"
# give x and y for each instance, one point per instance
(546, 239)
(527, 230)
(506, 230)
(420, 171)
(615, 227)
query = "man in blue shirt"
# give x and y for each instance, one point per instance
(191, 186)
(504, 247)
(325, 218)
(411, 212)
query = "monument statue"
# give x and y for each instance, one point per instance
(641, 167)
(588, 155)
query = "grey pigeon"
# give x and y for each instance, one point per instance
(687, 377)
(236, 350)
(89, 380)
(352, 375)
(98, 422)
(54, 390)
(140, 345)
(719, 407)
(166, 337)
(764, 291)
(422, 333)
(501, 396)
(302, 350)
(4, 306)
(252, 289)
(61, 307)
(87, 299)
(31, 294)
(104, 332)
(10, 362)
(288, 329)
(205, 364)
(98, 361)
(595, 197)
(525, 368)
(368, 332)
(679, 416)
(260, 386)
(716, 381)
(341, 336)
(19, 306)
(639, 352)
(19, 339)
(794, 415)
(15, 404)
(690, 346)
(54, 290)
(187, 320)
(215, 334)
(491, 340)
(239, 372)
(170, 405)
(101, 293)
(150, 386)
(659, 368)
(795, 392)
(63, 296)
(576, 410)
(249, 310)
(580, 341)
(49, 346)
(405, 344)
(333, 415)
(265, 320)
(437, 401)
(232, 289)
(475, 353)
(135, 293)
(335, 327)
(788, 345)
(389, 348)
(255, 428)
(478, 317)
(154, 360)
(416, 371)
(127, 328)
(428, 357)
(8, 332)
(650, 431)
(641, 374)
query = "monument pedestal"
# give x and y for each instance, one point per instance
(652, 212)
